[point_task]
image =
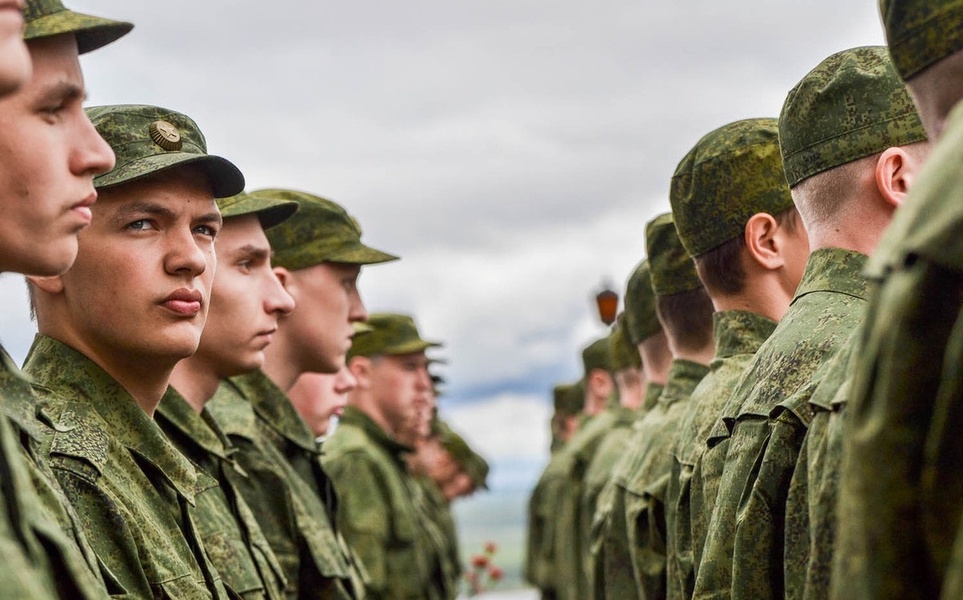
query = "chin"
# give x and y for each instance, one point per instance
(52, 263)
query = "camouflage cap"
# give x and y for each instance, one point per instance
(46, 18)
(322, 231)
(390, 334)
(569, 398)
(269, 212)
(470, 461)
(641, 319)
(671, 267)
(596, 356)
(852, 105)
(731, 174)
(921, 32)
(149, 140)
(622, 352)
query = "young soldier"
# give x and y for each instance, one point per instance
(685, 311)
(319, 397)
(47, 173)
(318, 255)
(246, 302)
(736, 218)
(111, 330)
(847, 176)
(379, 514)
(903, 444)
(611, 572)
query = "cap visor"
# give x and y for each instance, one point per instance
(92, 32)
(269, 212)
(359, 254)
(410, 347)
(226, 179)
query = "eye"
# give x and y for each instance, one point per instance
(245, 265)
(140, 225)
(208, 230)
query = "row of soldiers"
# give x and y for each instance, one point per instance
(797, 326)
(195, 341)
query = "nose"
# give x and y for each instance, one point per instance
(356, 309)
(184, 255)
(90, 154)
(344, 381)
(277, 300)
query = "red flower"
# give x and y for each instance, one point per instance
(495, 573)
(491, 547)
(479, 560)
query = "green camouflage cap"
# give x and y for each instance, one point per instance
(641, 319)
(852, 105)
(148, 140)
(269, 212)
(322, 231)
(390, 334)
(622, 352)
(921, 32)
(569, 398)
(46, 18)
(596, 356)
(470, 461)
(730, 175)
(670, 266)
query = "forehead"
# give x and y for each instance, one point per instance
(178, 190)
(239, 232)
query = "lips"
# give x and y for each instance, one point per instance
(183, 302)
(82, 208)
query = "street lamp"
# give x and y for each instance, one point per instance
(607, 302)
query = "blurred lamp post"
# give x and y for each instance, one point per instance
(607, 302)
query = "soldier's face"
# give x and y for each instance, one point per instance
(14, 58)
(401, 385)
(140, 289)
(49, 154)
(246, 302)
(328, 303)
(318, 397)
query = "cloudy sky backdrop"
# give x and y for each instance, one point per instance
(510, 151)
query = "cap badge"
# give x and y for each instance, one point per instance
(165, 135)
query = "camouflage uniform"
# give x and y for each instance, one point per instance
(378, 513)
(132, 490)
(286, 488)
(541, 568)
(438, 513)
(692, 489)
(234, 540)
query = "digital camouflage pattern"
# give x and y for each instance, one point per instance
(641, 320)
(290, 494)
(731, 174)
(623, 354)
(826, 307)
(45, 555)
(378, 514)
(233, 539)
(921, 32)
(128, 128)
(540, 564)
(390, 334)
(321, 231)
(137, 513)
(852, 105)
(45, 18)
(646, 485)
(902, 416)
(670, 266)
(612, 572)
(596, 356)
(270, 212)
(738, 334)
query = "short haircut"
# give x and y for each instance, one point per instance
(721, 269)
(687, 318)
(822, 197)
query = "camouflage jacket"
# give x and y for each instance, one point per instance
(132, 490)
(738, 334)
(646, 485)
(824, 311)
(379, 515)
(540, 568)
(286, 488)
(440, 526)
(902, 474)
(231, 534)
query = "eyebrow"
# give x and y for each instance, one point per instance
(253, 251)
(144, 207)
(61, 90)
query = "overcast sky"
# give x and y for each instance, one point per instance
(510, 151)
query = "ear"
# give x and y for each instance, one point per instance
(895, 173)
(360, 367)
(48, 285)
(285, 277)
(763, 244)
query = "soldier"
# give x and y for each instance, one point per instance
(111, 330)
(685, 311)
(568, 400)
(379, 514)
(612, 567)
(318, 256)
(902, 445)
(247, 301)
(847, 176)
(319, 397)
(47, 174)
(735, 216)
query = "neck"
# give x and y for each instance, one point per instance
(195, 381)
(857, 231)
(656, 358)
(766, 295)
(595, 404)
(702, 356)
(366, 404)
(281, 363)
